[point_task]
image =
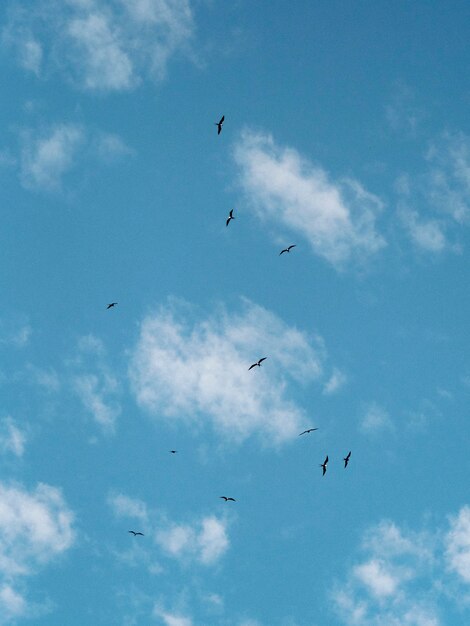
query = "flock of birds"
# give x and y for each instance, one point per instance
(258, 363)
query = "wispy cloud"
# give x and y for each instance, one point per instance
(335, 382)
(14, 334)
(435, 202)
(448, 180)
(95, 384)
(46, 157)
(197, 370)
(124, 506)
(375, 419)
(171, 619)
(99, 45)
(458, 545)
(49, 153)
(12, 438)
(426, 234)
(336, 217)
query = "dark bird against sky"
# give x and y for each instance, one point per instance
(230, 217)
(288, 249)
(133, 532)
(110, 306)
(219, 124)
(346, 459)
(173, 451)
(324, 464)
(258, 364)
(228, 499)
(310, 430)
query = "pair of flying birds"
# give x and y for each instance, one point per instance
(231, 217)
(325, 462)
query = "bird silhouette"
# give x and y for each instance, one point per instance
(324, 464)
(288, 249)
(230, 217)
(310, 430)
(219, 124)
(346, 459)
(228, 499)
(110, 306)
(135, 534)
(258, 364)
(173, 451)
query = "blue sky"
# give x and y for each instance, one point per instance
(346, 133)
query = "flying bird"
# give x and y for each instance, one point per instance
(227, 499)
(110, 306)
(219, 124)
(258, 364)
(173, 451)
(288, 249)
(135, 534)
(230, 217)
(346, 459)
(310, 430)
(324, 464)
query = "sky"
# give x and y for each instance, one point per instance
(346, 134)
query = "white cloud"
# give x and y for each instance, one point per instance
(375, 575)
(35, 528)
(12, 334)
(197, 371)
(110, 147)
(205, 541)
(443, 188)
(337, 218)
(48, 154)
(100, 60)
(46, 158)
(96, 394)
(375, 420)
(171, 619)
(31, 56)
(392, 585)
(447, 184)
(100, 45)
(12, 604)
(95, 385)
(458, 544)
(428, 235)
(335, 382)
(124, 506)
(12, 438)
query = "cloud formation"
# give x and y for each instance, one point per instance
(197, 370)
(376, 419)
(336, 217)
(12, 438)
(386, 587)
(95, 384)
(402, 577)
(35, 528)
(204, 541)
(49, 153)
(99, 45)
